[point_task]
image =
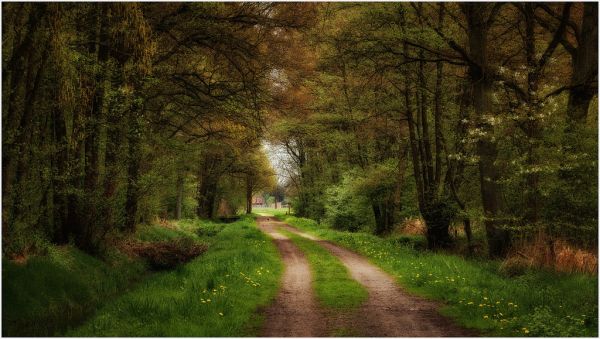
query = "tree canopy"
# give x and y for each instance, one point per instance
(482, 115)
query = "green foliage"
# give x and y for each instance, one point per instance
(379, 181)
(346, 208)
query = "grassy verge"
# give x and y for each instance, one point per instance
(50, 293)
(217, 294)
(332, 283)
(537, 303)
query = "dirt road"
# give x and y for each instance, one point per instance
(389, 311)
(295, 312)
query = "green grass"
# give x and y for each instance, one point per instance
(159, 233)
(217, 294)
(50, 293)
(537, 303)
(269, 211)
(332, 283)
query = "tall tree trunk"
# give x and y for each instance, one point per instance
(437, 120)
(207, 194)
(88, 232)
(134, 155)
(249, 194)
(584, 79)
(114, 135)
(24, 133)
(427, 159)
(180, 182)
(379, 219)
(498, 238)
(532, 128)
(432, 210)
(60, 184)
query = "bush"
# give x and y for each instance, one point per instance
(345, 209)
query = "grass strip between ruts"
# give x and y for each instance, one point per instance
(332, 283)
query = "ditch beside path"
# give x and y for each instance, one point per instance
(388, 312)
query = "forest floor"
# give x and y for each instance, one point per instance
(388, 310)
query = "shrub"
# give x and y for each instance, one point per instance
(344, 208)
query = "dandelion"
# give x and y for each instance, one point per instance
(470, 303)
(480, 305)
(485, 316)
(221, 314)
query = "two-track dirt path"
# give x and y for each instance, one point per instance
(295, 312)
(389, 311)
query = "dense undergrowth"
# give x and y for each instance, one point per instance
(216, 294)
(534, 303)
